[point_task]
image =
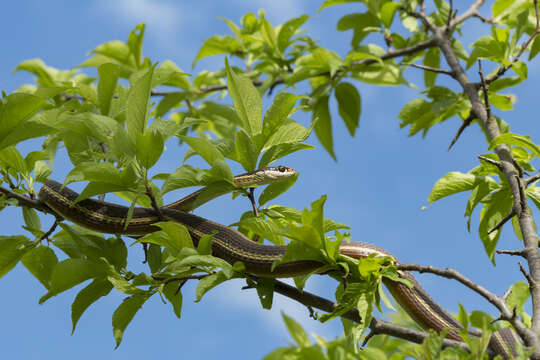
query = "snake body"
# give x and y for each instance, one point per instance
(234, 246)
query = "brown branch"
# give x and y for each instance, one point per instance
(530, 180)
(26, 201)
(504, 220)
(483, 18)
(512, 253)
(50, 231)
(429, 68)
(470, 12)
(505, 313)
(491, 161)
(463, 126)
(376, 326)
(389, 55)
(155, 206)
(484, 90)
(527, 276)
(251, 198)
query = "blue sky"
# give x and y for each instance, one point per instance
(378, 186)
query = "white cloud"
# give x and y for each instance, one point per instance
(161, 16)
(280, 10)
(247, 302)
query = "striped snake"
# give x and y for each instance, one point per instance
(234, 246)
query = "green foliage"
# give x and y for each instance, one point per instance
(114, 133)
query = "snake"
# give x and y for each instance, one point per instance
(233, 246)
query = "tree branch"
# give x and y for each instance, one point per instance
(499, 303)
(389, 55)
(525, 217)
(429, 68)
(470, 12)
(376, 326)
(26, 201)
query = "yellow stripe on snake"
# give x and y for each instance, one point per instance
(234, 246)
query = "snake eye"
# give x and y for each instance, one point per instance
(282, 168)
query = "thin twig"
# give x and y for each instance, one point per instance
(498, 164)
(26, 201)
(50, 231)
(429, 68)
(483, 18)
(251, 198)
(155, 206)
(364, 62)
(463, 126)
(484, 89)
(450, 16)
(506, 314)
(377, 326)
(504, 220)
(531, 179)
(512, 253)
(526, 274)
(471, 11)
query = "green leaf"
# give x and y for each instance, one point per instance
(86, 297)
(245, 151)
(205, 244)
(288, 29)
(456, 182)
(247, 100)
(71, 272)
(277, 114)
(173, 236)
(349, 105)
(296, 331)
(535, 48)
(496, 207)
(149, 148)
(218, 45)
(206, 260)
(323, 125)
(87, 124)
(202, 146)
(182, 177)
(208, 283)
(12, 249)
(16, 109)
(137, 102)
(12, 158)
(273, 190)
(108, 77)
(172, 293)
(31, 218)
(124, 314)
(267, 229)
(488, 48)
(289, 133)
(388, 10)
(265, 290)
(40, 261)
(281, 150)
(328, 3)
(519, 293)
(268, 33)
(432, 59)
(135, 42)
(502, 102)
(514, 139)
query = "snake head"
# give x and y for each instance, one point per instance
(263, 176)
